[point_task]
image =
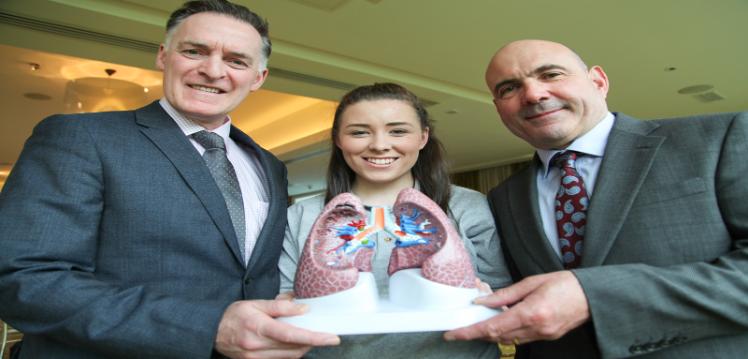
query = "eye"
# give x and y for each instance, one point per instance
(237, 63)
(507, 90)
(398, 131)
(191, 53)
(550, 75)
(358, 133)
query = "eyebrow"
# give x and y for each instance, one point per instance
(538, 70)
(389, 124)
(206, 47)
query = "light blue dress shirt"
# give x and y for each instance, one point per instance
(592, 145)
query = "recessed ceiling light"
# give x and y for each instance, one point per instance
(695, 89)
(37, 96)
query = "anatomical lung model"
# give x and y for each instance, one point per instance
(340, 244)
(431, 280)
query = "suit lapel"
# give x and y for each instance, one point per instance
(628, 158)
(529, 227)
(273, 189)
(165, 134)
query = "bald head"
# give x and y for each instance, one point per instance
(523, 50)
(544, 92)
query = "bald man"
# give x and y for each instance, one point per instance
(653, 256)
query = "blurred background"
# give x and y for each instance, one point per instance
(664, 58)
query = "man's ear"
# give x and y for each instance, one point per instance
(161, 57)
(600, 79)
(259, 80)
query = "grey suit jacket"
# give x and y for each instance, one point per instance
(116, 241)
(666, 246)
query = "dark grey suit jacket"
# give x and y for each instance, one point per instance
(116, 241)
(666, 246)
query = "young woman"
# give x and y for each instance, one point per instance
(383, 142)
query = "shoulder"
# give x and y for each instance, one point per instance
(691, 133)
(310, 206)
(517, 181)
(72, 125)
(465, 194)
(724, 117)
(464, 200)
(696, 123)
(90, 118)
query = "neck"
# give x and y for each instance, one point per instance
(381, 194)
(208, 124)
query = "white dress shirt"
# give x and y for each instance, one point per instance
(248, 172)
(592, 145)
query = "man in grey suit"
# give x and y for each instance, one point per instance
(662, 230)
(116, 239)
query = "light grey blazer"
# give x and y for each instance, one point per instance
(665, 265)
(472, 218)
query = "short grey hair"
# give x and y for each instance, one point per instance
(227, 8)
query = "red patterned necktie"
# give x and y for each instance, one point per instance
(571, 209)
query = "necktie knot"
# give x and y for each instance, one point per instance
(209, 140)
(565, 159)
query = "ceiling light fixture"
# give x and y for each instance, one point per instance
(37, 96)
(695, 89)
(96, 94)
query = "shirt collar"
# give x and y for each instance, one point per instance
(189, 127)
(591, 143)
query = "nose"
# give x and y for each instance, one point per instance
(213, 67)
(534, 92)
(380, 143)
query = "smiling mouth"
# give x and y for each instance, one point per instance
(545, 113)
(207, 89)
(380, 161)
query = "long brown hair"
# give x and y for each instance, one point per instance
(430, 170)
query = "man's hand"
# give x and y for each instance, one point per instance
(543, 307)
(248, 330)
(286, 296)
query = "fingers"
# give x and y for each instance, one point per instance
(279, 308)
(286, 333)
(509, 295)
(482, 286)
(249, 329)
(286, 296)
(472, 332)
(545, 307)
(494, 329)
(278, 353)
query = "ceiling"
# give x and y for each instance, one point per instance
(437, 48)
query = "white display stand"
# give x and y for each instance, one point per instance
(415, 304)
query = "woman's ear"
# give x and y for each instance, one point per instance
(424, 138)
